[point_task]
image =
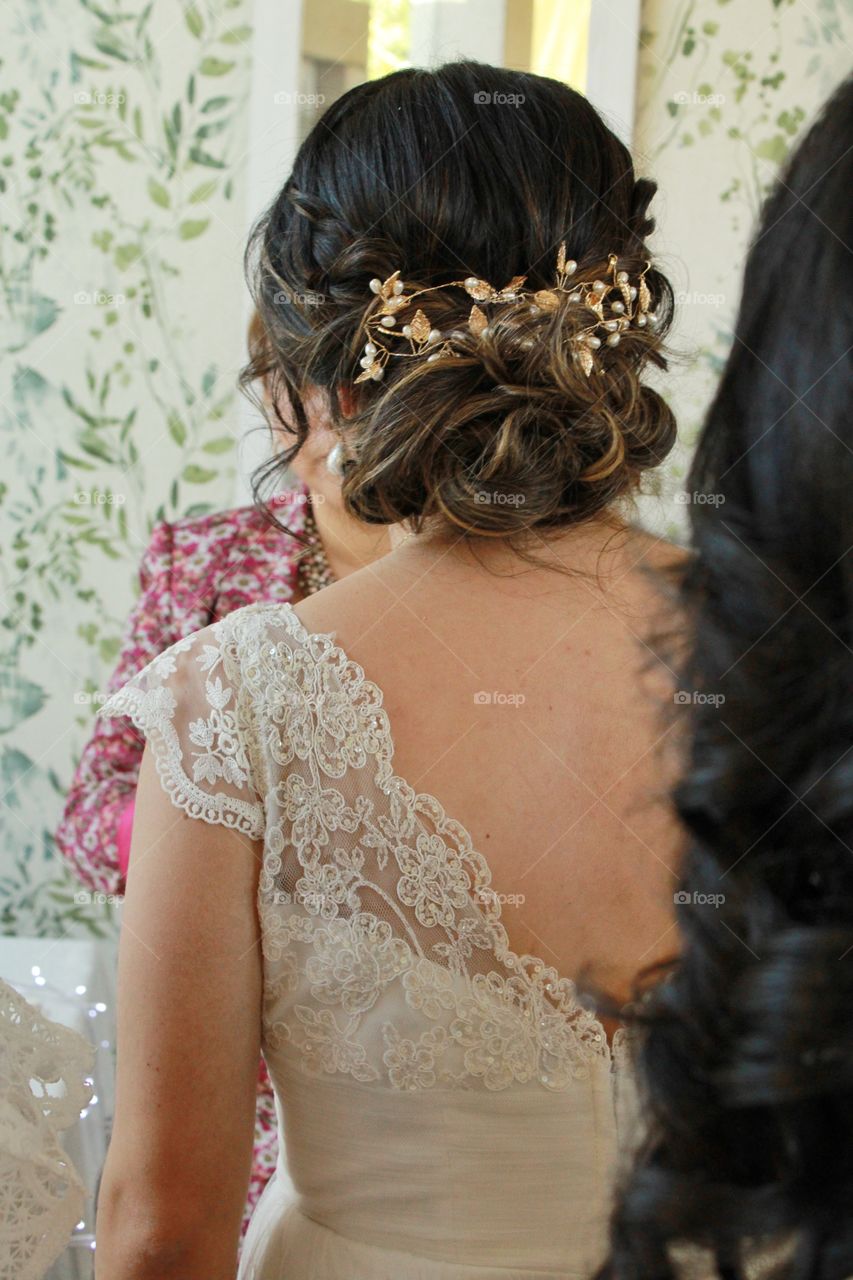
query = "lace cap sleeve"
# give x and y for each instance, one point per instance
(189, 704)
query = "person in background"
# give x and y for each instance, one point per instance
(193, 572)
(747, 1059)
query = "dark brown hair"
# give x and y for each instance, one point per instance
(466, 170)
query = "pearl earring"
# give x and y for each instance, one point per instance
(335, 460)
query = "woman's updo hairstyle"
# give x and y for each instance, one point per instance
(466, 170)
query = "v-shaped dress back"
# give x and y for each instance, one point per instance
(448, 1107)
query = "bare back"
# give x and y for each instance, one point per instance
(532, 705)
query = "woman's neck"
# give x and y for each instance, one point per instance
(349, 544)
(586, 549)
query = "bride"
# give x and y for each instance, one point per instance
(386, 834)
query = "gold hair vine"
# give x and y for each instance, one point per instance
(617, 304)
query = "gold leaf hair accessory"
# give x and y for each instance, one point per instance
(617, 304)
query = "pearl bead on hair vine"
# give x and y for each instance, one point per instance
(617, 304)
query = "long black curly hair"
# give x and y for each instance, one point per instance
(746, 1050)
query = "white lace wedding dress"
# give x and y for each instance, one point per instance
(449, 1109)
(44, 1085)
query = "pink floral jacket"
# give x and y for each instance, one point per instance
(193, 572)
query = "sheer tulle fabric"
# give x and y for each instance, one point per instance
(448, 1107)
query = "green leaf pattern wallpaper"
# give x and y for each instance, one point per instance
(725, 88)
(122, 221)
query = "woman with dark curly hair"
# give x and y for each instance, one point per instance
(747, 1063)
(434, 788)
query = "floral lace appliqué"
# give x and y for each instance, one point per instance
(385, 958)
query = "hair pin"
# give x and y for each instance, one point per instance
(617, 303)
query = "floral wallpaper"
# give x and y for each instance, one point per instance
(122, 138)
(123, 143)
(725, 88)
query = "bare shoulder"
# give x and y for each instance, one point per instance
(356, 602)
(394, 593)
(658, 552)
(655, 567)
